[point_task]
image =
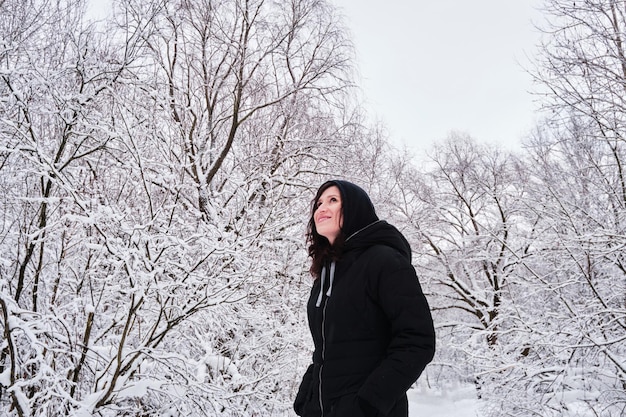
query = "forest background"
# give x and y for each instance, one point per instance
(156, 171)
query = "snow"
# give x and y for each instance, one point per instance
(5, 377)
(461, 402)
(219, 363)
(139, 388)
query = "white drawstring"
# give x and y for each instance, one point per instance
(319, 297)
(330, 287)
(332, 278)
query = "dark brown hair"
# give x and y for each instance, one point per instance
(320, 249)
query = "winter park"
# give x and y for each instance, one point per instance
(159, 162)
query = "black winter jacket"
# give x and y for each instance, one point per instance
(372, 329)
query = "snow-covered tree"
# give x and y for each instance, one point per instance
(574, 275)
(571, 295)
(463, 214)
(156, 170)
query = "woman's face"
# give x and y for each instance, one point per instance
(327, 216)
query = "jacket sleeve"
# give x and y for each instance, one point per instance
(412, 344)
(303, 391)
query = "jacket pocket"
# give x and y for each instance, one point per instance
(349, 406)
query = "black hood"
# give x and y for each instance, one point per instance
(358, 210)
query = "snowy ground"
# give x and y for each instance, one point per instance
(460, 402)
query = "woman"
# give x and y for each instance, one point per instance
(371, 325)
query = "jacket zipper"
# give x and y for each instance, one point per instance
(323, 354)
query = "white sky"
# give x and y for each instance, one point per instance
(431, 67)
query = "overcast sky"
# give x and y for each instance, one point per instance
(431, 67)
